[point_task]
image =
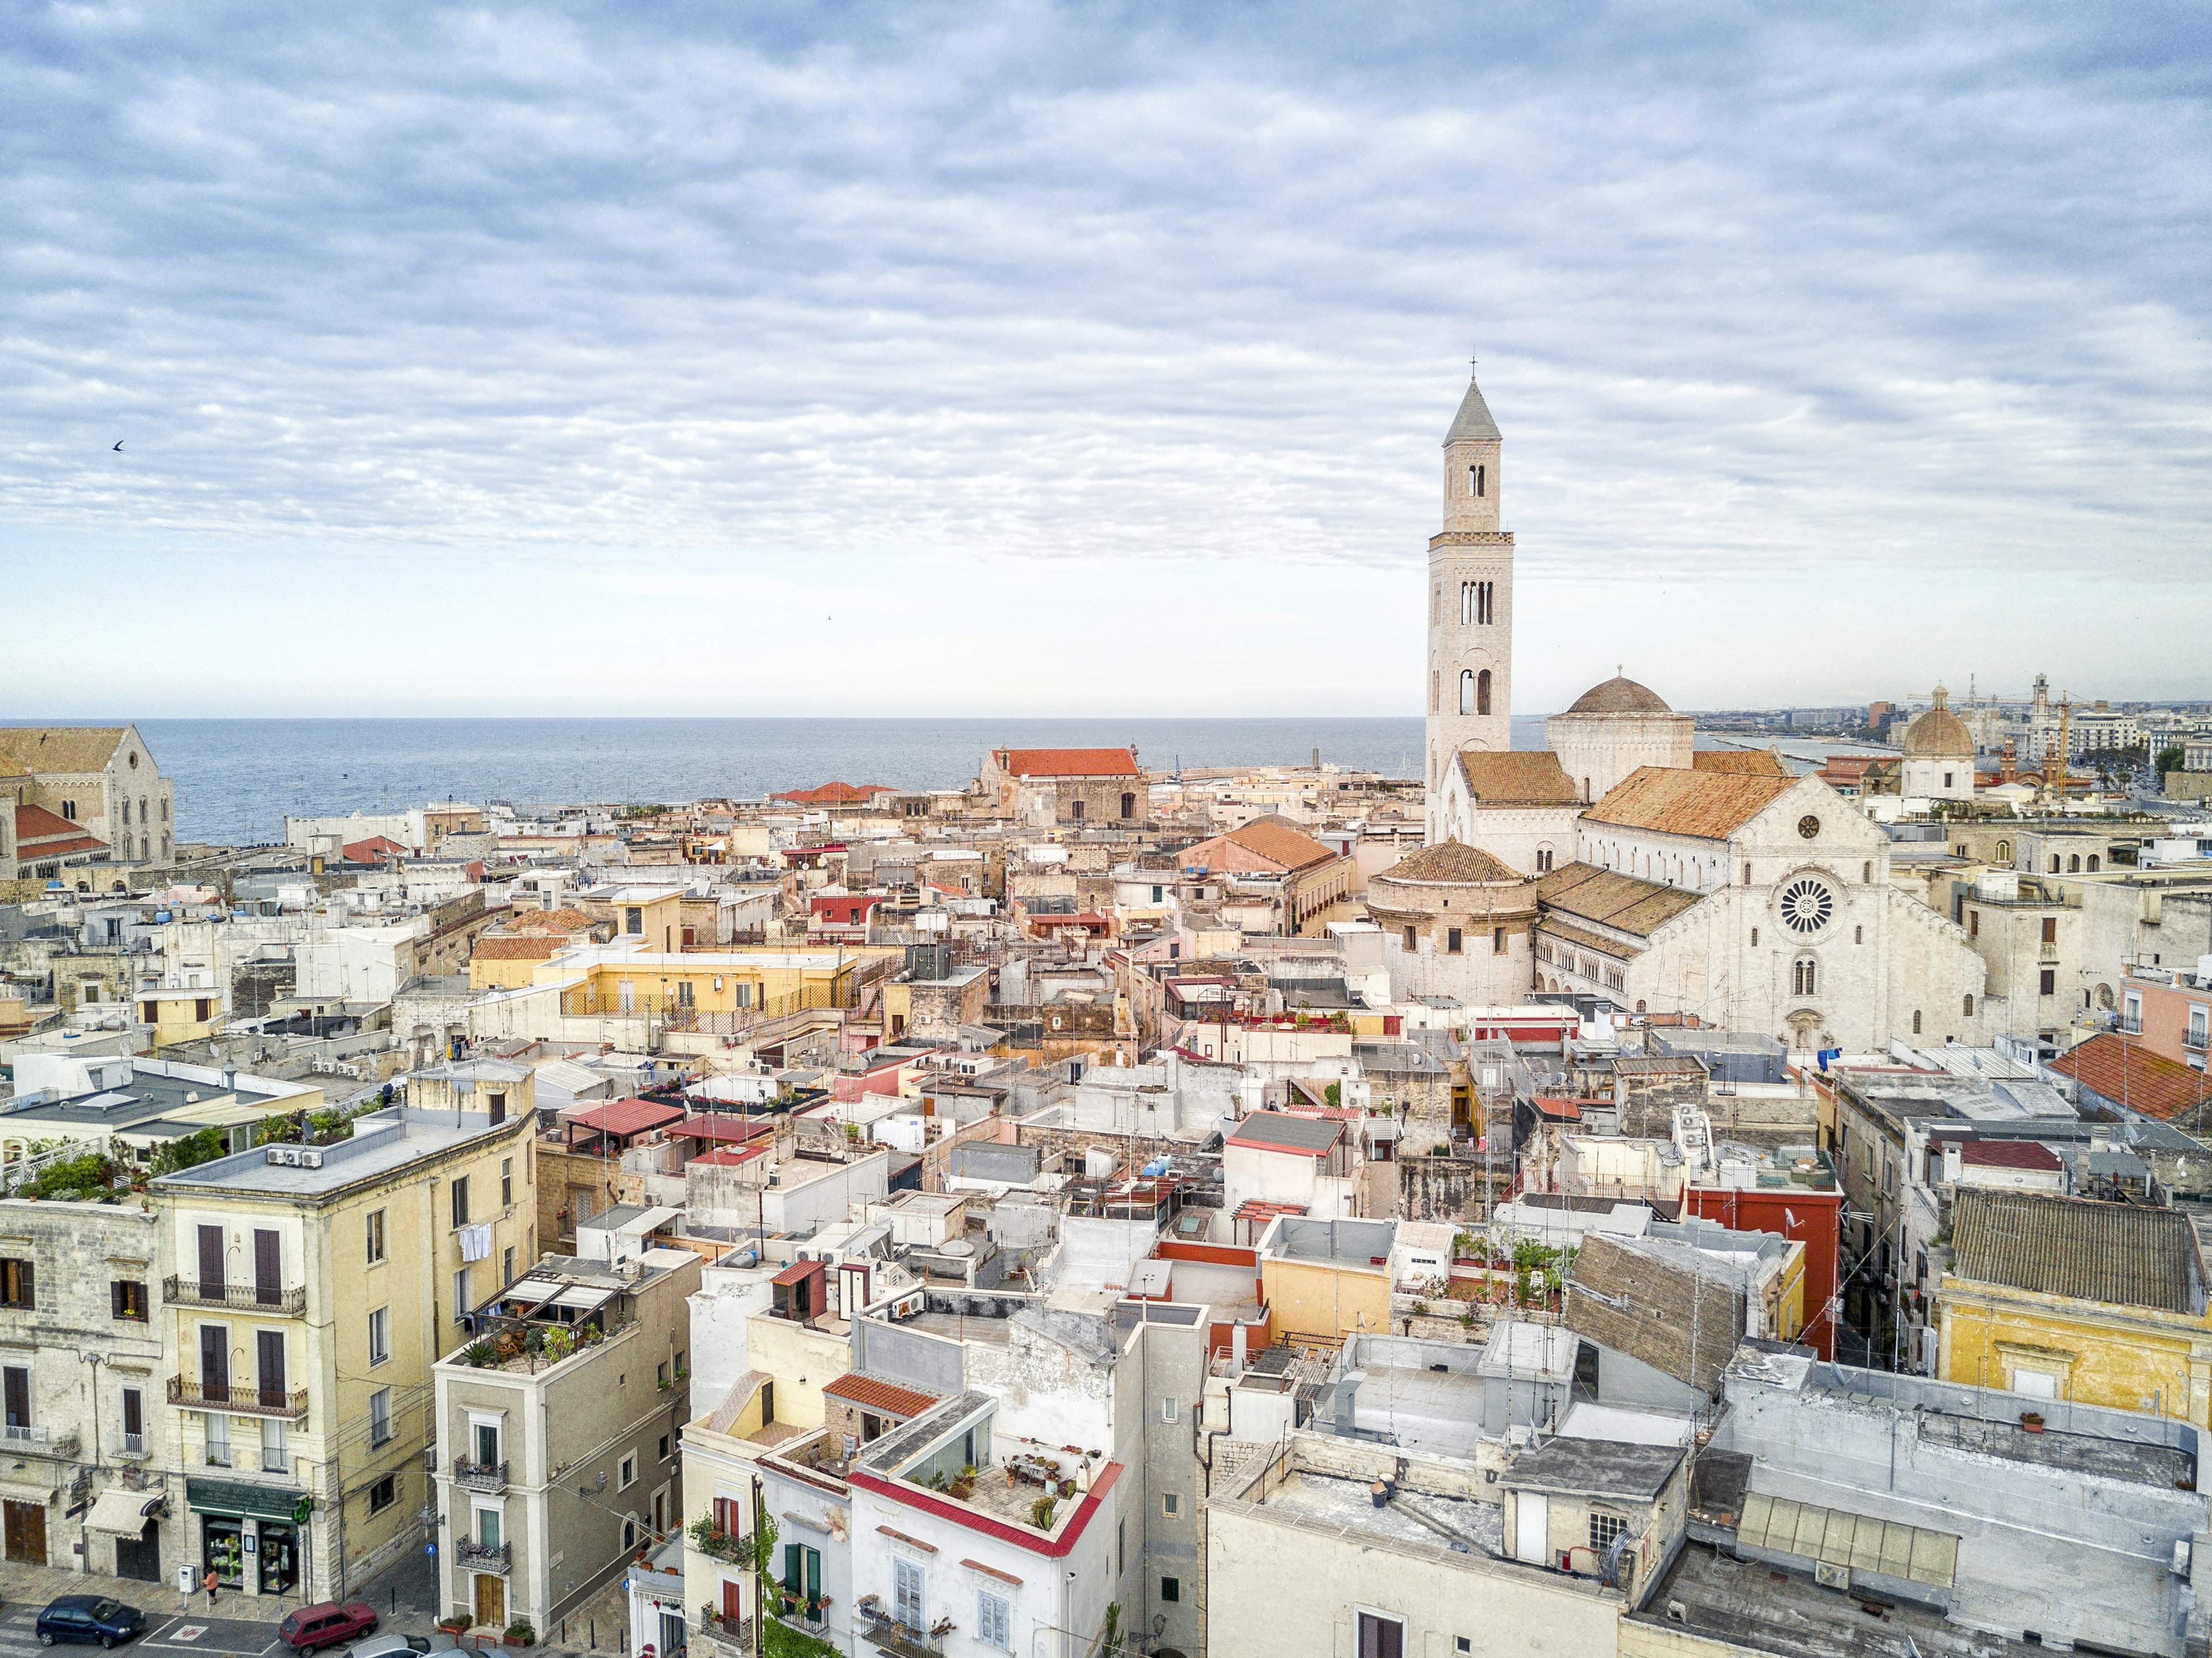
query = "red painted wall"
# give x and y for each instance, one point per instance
(1817, 1226)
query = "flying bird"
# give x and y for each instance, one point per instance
(118, 448)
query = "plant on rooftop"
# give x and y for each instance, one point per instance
(1041, 1514)
(559, 1344)
(87, 1179)
(189, 1151)
(480, 1354)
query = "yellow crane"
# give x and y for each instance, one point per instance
(2065, 726)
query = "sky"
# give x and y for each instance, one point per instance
(1006, 358)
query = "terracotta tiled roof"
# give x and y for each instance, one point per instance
(1279, 843)
(1611, 898)
(1450, 861)
(2120, 1253)
(871, 1394)
(1739, 762)
(37, 823)
(550, 920)
(1703, 804)
(1621, 696)
(833, 794)
(2010, 1154)
(1516, 777)
(61, 747)
(2134, 1077)
(537, 947)
(375, 849)
(1066, 763)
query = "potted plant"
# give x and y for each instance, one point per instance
(1041, 1514)
(2032, 1421)
(520, 1634)
(454, 1622)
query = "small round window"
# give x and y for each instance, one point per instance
(134, 762)
(1807, 905)
(1808, 826)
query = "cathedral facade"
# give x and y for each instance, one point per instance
(1619, 864)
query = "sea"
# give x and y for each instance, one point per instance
(237, 780)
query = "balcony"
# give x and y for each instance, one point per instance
(722, 1545)
(734, 1634)
(484, 1557)
(2132, 1024)
(887, 1634)
(38, 1439)
(2198, 1039)
(489, 1478)
(240, 1400)
(131, 1447)
(235, 1297)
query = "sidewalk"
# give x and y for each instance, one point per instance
(34, 1586)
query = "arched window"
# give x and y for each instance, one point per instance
(1435, 692)
(1482, 692)
(2092, 863)
(2004, 852)
(1970, 1007)
(2054, 862)
(1466, 690)
(1804, 977)
(1128, 805)
(1916, 1021)
(2074, 865)
(1476, 483)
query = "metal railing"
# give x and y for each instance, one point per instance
(185, 1292)
(24, 1433)
(484, 1557)
(886, 1632)
(239, 1399)
(130, 1444)
(486, 1476)
(733, 1632)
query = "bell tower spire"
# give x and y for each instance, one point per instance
(1470, 682)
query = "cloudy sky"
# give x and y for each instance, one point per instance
(1021, 359)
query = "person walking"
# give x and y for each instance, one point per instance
(208, 1583)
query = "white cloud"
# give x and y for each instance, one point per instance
(1092, 303)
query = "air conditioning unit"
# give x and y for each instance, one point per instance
(1830, 1577)
(908, 1306)
(308, 1159)
(285, 1155)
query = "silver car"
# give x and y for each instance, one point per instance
(401, 1646)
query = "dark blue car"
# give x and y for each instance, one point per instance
(89, 1618)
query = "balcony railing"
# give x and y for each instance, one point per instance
(24, 1433)
(240, 1400)
(184, 1292)
(486, 1476)
(2196, 1040)
(722, 1545)
(484, 1557)
(734, 1632)
(131, 1445)
(2133, 1026)
(887, 1634)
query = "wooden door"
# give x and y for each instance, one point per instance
(210, 1263)
(268, 1275)
(23, 1532)
(491, 1601)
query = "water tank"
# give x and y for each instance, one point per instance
(1156, 1168)
(1099, 1163)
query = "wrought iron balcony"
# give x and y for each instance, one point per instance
(734, 1633)
(186, 1292)
(238, 1401)
(486, 1476)
(887, 1634)
(484, 1557)
(130, 1445)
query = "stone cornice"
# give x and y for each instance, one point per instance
(1471, 538)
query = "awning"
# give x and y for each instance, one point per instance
(120, 1512)
(22, 1490)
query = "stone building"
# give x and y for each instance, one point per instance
(78, 1279)
(1455, 922)
(1939, 755)
(1470, 693)
(101, 778)
(1518, 805)
(1613, 728)
(1041, 788)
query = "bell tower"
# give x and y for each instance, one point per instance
(1470, 680)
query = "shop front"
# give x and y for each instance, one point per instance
(249, 1535)
(132, 1518)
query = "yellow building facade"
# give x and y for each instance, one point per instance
(313, 1288)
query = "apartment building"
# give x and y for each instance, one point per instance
(558, 1410)
(312, 1289)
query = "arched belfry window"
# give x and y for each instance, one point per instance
(1466, 690)
(1477, 482)
(1482, 692)
(1804, 978)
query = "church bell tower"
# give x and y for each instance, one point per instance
(1470, 684)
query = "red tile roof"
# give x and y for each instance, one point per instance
(798, 1272)
(373, 850)
(631, 1116)
(835, 794)
(1066, 763)
(866, 1390)
(729, 1156)
(537, 947)
(2134, 1077)
(1701, 805)
(37, 823)
(2010, 1154)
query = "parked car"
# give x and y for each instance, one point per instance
(401, 1646)
(89, 1618)
(312, 1628)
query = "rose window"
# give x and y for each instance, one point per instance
(1807, 905)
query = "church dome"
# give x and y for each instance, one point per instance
(1451, 860)
(1620, 695)
(1939, 733)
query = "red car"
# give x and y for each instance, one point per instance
(314, 1627)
